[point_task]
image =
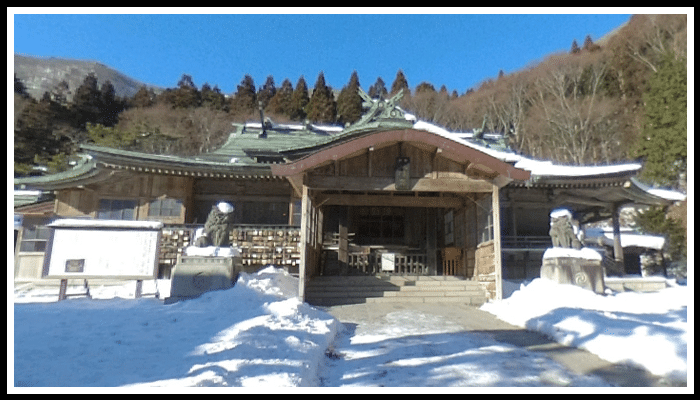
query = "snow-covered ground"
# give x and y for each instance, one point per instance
(258, 334)
(255, 334)
(649, 330)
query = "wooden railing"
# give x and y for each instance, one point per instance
(413, 263)
(525, 242)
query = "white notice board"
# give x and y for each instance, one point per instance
(82, 249)
(388, 262)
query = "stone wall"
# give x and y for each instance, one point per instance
(485, 268)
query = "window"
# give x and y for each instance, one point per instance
(484, 216)
(165, 208)
(34, 238)
(116, 209)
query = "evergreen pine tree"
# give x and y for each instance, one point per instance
(321, 107)
(186, 95)
(588, 44)
(300, 99)
(350, 102)
(664, 140)
(245, 100)
(281, 102)
(110, 105)
(574, 48)
(400, 82)
(655, 220)
(86, 102)
(36, 136)
(267, 91)
(378, 90)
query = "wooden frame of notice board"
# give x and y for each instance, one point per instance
(102, 249)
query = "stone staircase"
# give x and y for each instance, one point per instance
(340, 290)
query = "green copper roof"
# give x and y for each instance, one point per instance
(250, 144)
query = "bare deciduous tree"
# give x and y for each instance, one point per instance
(573, 111)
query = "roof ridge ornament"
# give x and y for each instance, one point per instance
(380, 112)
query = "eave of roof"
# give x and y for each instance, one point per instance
(167, 164)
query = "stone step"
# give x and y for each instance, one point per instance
(388, 281)
(336, 301)
(336, 290)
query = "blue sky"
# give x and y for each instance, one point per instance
(454, 48)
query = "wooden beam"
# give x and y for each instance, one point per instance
(453, 185)
(390, 201)
(296, 181)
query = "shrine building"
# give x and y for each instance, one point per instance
(389, 196)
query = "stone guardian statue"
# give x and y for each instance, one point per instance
(562, 230)
(217, 227)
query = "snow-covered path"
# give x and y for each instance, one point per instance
(391, 354)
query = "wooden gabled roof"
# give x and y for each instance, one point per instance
(450, 149)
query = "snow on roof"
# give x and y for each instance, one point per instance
(536, 167)
(24, 192)
(297, 127)
(667, 194)
(547, 168)
(627, 238)
(104, 223)
(501, 155)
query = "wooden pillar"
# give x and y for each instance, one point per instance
(343, 239)
(431, 240)
(303, 257)
(496, 212)
(617, 242)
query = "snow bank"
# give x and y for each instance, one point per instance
(257, 333)
(645, 329)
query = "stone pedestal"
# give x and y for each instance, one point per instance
(572, 270)
(195, 275)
